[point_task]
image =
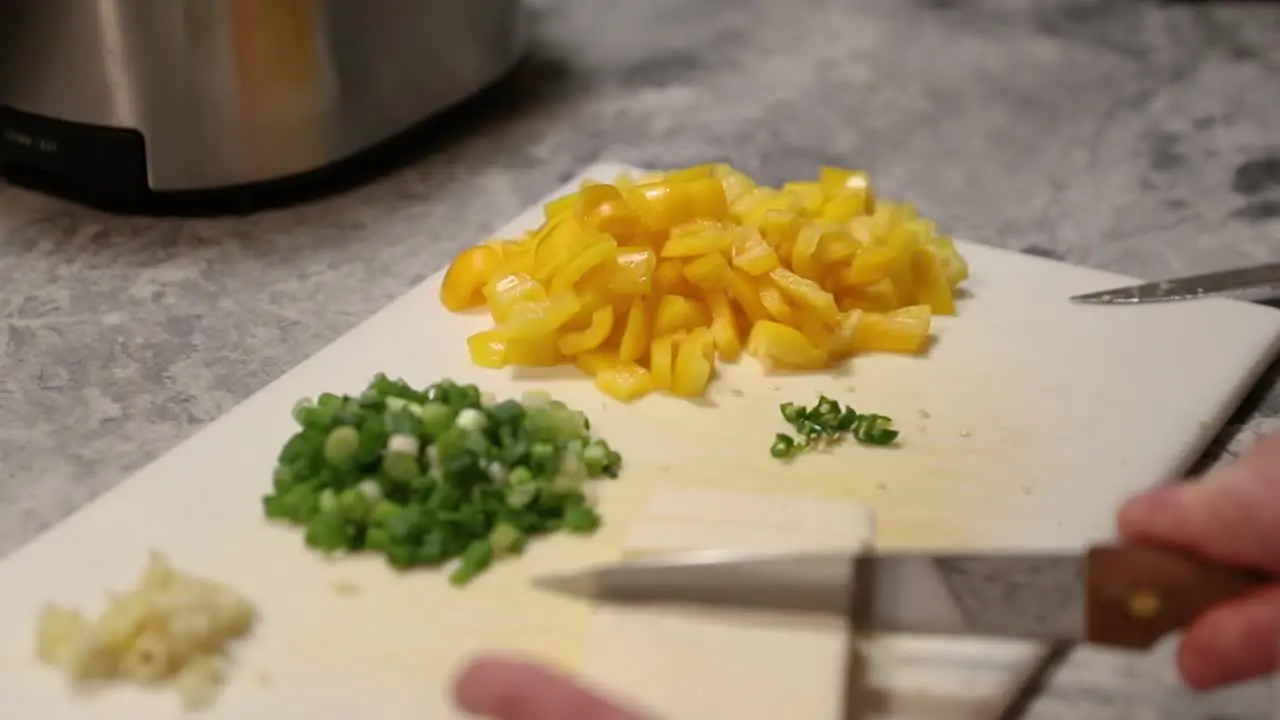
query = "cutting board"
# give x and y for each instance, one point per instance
(1029, 420)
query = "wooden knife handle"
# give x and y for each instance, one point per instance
(1138, 594)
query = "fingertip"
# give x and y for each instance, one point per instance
(1148, 514)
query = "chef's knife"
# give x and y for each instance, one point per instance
(1257, 283)
(1122, 596)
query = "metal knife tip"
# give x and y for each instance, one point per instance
(576, 584)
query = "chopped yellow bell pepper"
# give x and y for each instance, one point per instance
(633, 271)
(709, 272)
(464, 281)
(724, 327)
(751, 253)
(594, 362)
(774, 301)
(743, 290)
(603, 208)
(647, 281)
(931, 284)
(735, 182)
(594, 252)
(676, 312)
(695, 361)
(505, 292)
(807, 294)
(837, 180)
(625, 382)
(572, 343)
(667, 203)
(782, 346)
(880, 296)
(696, 238)
(532, 320)
(495, 349)
(669, 279)
(662, 359)
(808, 192)
(635, 338)
(804, 251)
(905, 330)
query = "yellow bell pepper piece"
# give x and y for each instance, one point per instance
(594, 362)
(669, 279)
(841, 342)
(572, 343)
(695, 361)
(561, 206)
(879, 296)
(635, 338)
(495, 349)
(557, 246)
(774, 301)
(744, 291)
(464, 281)
(676, 312)
(602, 207)
(709, 272)
(779, 229)
(633, 271)
(806, 293)
(625, 382)
(662, 359)
(696, 238)
(667, 203)
(488, 349)
(808, 192)
(905, 330)
(506, 292)
(735, 182)
(837, 247)
(953, 265)
(931, 284)
(804, 251)
(751, 253)
(533, 320)
(724, 327)
(782, 346)
(595, 251)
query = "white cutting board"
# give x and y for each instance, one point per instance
(1043, 415)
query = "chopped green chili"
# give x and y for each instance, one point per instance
(440, 474)
(828, 422)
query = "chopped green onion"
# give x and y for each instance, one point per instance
(341, 445)
(828, 422)
(783, 446)
(445, 473)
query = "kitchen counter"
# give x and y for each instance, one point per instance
(1132, 135)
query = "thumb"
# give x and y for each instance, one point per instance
(512, 690)
(1230, 515)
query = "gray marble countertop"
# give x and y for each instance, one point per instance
(1131, 135)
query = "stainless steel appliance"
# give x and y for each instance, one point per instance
(171, 96)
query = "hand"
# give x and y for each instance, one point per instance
(1231, 514)
(512, 690)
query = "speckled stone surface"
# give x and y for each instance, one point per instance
(1131, 135)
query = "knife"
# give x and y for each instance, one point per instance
(1257, 283)
(1125, 596)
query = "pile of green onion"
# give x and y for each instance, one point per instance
(429, 476)
(828, 422)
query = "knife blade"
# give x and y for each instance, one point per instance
(1125, 596)
(1257, 283)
